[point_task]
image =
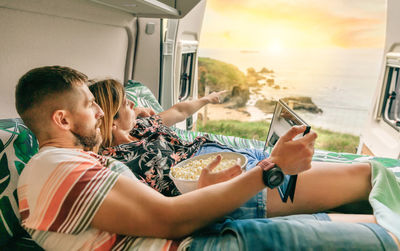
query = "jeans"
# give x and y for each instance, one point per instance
(298, 232)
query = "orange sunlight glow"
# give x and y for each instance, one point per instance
(285, 24)
(275, 46)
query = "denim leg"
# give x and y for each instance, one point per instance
(293, 233)
(252, 209)
(305, 217)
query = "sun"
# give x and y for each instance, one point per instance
(275, 46)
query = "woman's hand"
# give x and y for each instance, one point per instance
(207, 177)
(214, 97)
(144, 112)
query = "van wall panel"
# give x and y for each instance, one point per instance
(31, 39)
(147, 59)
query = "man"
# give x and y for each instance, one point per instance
(71, 199)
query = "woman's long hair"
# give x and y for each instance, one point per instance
(109, 95)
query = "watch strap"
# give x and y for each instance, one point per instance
(266, 164)
(272, 175)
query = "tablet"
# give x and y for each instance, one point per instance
(283, 119)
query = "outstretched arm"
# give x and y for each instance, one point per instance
(132, 208)
(182, 110)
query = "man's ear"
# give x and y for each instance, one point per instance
(62, 119)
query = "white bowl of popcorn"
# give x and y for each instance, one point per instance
(186, 174)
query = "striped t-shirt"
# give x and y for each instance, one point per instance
(60, 191)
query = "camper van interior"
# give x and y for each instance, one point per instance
(152, 47)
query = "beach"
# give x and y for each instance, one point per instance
(220, 112)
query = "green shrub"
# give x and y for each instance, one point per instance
(336, 142)
(327, 140)
(249, 130)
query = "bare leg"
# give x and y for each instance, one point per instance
(324, 186)
(357, 218)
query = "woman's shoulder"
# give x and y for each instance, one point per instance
(149, 121)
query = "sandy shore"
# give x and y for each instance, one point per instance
(219, 112)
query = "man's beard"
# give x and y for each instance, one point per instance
(87, 141)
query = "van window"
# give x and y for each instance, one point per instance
(186, 79)
(391, 102)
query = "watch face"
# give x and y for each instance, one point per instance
(273, 177)
(276, 178)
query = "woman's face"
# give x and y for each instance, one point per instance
(127, 116)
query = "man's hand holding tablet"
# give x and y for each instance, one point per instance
(285, 136)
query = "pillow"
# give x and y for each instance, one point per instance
(17, 146)
(142, 96)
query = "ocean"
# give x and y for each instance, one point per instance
(341, 82)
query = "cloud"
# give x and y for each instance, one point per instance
(297, 23)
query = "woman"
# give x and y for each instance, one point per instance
(149, 148)
(152, 148)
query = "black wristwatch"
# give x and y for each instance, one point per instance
(272, 174)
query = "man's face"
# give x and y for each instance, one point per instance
(86, 119)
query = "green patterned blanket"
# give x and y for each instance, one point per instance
(18, 145)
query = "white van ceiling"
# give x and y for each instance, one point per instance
(152, 8)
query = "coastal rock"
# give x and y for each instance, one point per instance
(218, 76)
(266, 105)
(303, 103)
(266, 71)
(298, 103)
(237, 98)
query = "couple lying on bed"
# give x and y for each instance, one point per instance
(70, 198)
(149, 148)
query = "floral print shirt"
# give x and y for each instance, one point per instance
(157, 150)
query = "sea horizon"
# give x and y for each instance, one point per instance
(340, 81)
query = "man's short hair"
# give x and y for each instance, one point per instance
(43, 84)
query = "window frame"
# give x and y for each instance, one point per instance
(391, 94)
(186, 75)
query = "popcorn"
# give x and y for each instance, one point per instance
(192, 169)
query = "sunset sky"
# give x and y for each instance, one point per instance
(290, 24)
